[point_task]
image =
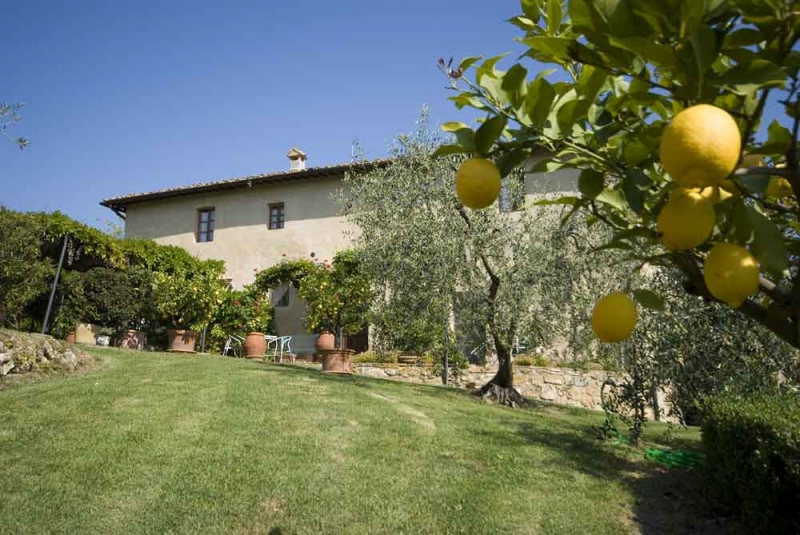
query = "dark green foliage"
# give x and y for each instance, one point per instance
(24, 273)
(753, 449)
(105, 280)
(111, 299)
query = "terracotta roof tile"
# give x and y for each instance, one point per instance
(119, 203)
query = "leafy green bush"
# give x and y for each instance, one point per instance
(752, 446)
(376, 357)
(24, 274)
(187, 299)
(524, 360)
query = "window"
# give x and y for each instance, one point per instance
(276, 216)
(283, 300)
(205, 225)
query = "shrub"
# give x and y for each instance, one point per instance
(187, 299)
(376, 357)
(752, 446)
(524, 360)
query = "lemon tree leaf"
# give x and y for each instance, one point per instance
(539, 100)
(649, 299)
(531, 9)
(468, 62)
(487, 68)
(749, 76)
(489, 132)
(635, 184)
(514, 84)
(612, 197)
(553, 16)
(590, 183)
(445, 150)
(764, 238)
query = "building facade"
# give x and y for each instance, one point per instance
(255, 222)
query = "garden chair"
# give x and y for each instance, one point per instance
(272, 346)
(234, 345)
(285, 348)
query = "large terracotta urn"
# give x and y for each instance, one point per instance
(70, 337)
(255, 346)
(325, 340)
(337, 361)
(86, 333)
(181, 340)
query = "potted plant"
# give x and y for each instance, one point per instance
(338, 297)
(256, 315)
(185, 301)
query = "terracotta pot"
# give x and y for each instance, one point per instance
(337, 360)
(325, 340)
(181, 340)
(255, 346)
(70, 337)
(86, 333)
(132, 339)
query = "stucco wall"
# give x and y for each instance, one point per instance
(242, 238)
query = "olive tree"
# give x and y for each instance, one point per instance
(432, 256)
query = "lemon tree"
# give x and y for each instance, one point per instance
(644, 98)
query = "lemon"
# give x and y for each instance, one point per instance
(700, 146)
(614, 317)
(731, 273)
(778, 188)
(687, 220)
(477, 183)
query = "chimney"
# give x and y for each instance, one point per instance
(297, 159)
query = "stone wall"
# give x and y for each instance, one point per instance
(564, 386)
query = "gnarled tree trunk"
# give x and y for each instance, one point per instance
(501, 388)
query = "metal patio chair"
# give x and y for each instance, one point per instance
(234, 344)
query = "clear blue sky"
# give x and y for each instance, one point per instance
(132, 96)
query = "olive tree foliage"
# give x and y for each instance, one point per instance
(9, 116)
(621, 71)
(432, 256)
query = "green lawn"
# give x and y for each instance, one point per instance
(155, 442)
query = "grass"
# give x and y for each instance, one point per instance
(186, 444)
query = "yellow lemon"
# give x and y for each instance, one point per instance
(477, 183)
(686, 221)
(778, 188)
(700, 146)
(614, 317)
(731, 273)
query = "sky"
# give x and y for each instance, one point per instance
(133, 96)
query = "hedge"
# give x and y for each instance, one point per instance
(752, 446)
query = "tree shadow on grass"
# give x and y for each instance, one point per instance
(667, 500)
(362, 381)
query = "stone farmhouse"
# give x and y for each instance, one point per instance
(256, 221)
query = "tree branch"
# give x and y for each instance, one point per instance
(784, 326)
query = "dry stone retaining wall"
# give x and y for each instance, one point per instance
(25, 352)
(564, 386)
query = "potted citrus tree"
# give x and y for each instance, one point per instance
(338, 297)
(185, 301)
(256, 313)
